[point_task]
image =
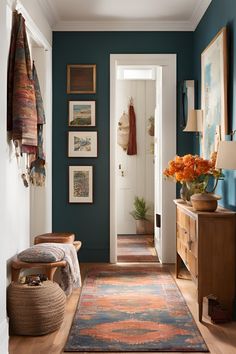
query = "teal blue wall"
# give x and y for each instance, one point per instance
(90, 222)
(219, 14)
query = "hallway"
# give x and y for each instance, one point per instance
(136, 248)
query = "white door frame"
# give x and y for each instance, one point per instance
(168, 64)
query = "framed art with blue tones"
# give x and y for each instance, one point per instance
(214, 93)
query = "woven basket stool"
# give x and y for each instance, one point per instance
(35, 310)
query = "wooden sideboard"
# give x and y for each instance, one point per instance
(206, 243)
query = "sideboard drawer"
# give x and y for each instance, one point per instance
(183, 220)
(182, 234)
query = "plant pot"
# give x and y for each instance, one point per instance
(205, 201)
(144, 227)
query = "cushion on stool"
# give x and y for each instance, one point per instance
(41, 254)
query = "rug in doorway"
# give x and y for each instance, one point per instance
(130, 309)
(136, 248)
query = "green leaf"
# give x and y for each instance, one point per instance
(140, 209)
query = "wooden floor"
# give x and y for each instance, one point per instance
(220, 339)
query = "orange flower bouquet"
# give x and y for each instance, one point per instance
(194, 172)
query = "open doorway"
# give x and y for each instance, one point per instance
(164, 150)
(136, 86)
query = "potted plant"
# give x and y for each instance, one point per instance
(143, 223)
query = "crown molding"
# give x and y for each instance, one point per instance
(50, 12)
(123, 26)
(57, 24)
(198, 13)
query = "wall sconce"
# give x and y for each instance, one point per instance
(188, 99)
(226, 155)
(194, 122)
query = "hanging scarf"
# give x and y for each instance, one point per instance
(21, 114)
(37, 169)
(132, 146)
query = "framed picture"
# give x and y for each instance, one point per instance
(81, 184)
(82, 114)
(82, 144)
(81, 78)
(214, 93)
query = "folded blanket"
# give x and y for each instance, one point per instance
(70, 274)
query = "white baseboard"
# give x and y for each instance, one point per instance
(4, 336)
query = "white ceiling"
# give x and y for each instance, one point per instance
(137, 15)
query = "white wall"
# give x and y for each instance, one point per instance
(138, 170)
(15, 198)
(3, 179)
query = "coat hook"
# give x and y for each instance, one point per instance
(131, 101)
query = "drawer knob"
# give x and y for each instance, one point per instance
(190, 244)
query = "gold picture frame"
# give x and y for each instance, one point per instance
(81, 78)
(214, 93)
(80, 184)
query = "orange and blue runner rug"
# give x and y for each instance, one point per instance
(136, 248)
(133, 309)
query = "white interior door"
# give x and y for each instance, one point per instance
(165, 147)
(135, 174)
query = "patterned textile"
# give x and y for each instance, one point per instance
(132, 248)
(132, 146)
(133, 309)
(37, 167)
(39, 100)
(42, 254)
(22, 114)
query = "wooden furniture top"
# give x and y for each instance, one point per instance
(220, 211)
(58, 237)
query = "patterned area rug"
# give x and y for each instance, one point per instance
(133, 248)
(133, 310)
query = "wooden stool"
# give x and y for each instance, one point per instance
(48, 268)
(57, 237)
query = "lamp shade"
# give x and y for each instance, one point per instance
(194, 122)
(226, 155)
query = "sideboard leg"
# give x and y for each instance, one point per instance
(200, 308)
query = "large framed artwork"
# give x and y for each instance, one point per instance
(81, 78)
(82, 144)
(214, 93)
(81, 184)
(82, 114)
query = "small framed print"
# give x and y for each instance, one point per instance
(82, 114)
(82, 144)
(81, 78)
(80, 184)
